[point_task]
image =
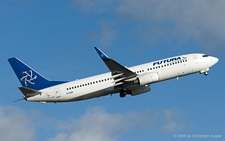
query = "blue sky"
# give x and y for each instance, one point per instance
(57, 39)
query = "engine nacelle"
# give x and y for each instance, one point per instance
(140, 90)
(148, 78)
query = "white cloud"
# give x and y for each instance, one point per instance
(172, 127)
(170, 124)
(107, 33)
(201, 21)
(93, 6)
(95, 124)
(15, 124)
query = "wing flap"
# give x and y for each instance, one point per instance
(117, 75)
(119, 79)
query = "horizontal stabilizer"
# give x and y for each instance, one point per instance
(27, 92)
(19, 99)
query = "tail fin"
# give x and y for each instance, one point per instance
(28, 77)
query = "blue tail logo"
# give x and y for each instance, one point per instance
(28, 78)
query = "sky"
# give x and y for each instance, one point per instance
(57, 38)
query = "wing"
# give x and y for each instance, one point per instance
(120, 74)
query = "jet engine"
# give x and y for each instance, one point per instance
(148, 78)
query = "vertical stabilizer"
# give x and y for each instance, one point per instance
(28, 77)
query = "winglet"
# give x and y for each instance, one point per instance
(116, 69)
(101, 54)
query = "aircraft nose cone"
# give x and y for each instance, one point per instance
(215, 60)
(212, 61)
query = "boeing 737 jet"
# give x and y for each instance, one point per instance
(134, 80)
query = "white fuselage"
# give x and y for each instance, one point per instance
(104, 84)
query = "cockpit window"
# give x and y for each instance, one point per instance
(205, 55)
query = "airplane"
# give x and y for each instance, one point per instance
(123, 80)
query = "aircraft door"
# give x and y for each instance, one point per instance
(195, 59)
(196, 63)
(57, 93)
